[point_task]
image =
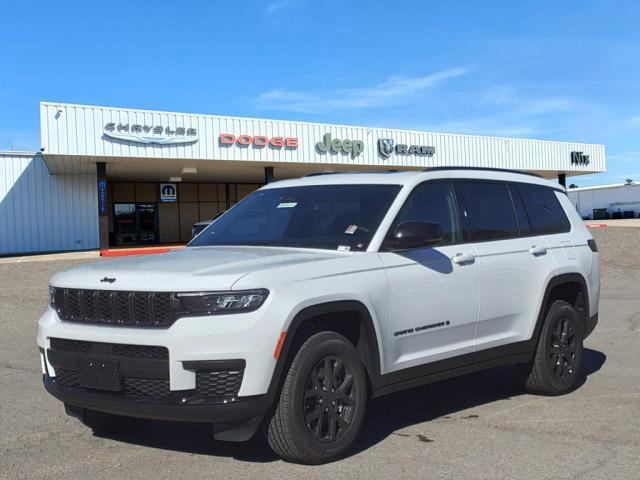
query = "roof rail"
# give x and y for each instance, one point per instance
(488, 169)
(317, 174)
(332, 172)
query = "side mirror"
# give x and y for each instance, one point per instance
(414, 235)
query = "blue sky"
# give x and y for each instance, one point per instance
(566, 70)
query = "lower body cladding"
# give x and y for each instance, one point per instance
(133, 372)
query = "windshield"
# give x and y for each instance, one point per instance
(332, 217)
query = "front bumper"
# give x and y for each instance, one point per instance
(246, 337)
(241, 410)
(190, 347)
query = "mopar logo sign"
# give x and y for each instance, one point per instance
(168, 192)
(102, 197)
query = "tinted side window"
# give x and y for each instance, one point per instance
(545, 212)
(433, 202)
(487, 211)
(521, 212)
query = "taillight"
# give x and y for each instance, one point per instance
(592, 245)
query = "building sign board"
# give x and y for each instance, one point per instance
(168, 193)
(579, 158)
(150, 134)
(257, 141)
(354, 147)
(388, 146)
(102, 197)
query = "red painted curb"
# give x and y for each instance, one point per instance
(127, 253)
(596, 225)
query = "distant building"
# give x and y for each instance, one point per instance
(620, 200)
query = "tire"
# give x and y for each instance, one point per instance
(299, 430)
(100, 422)
(556, 368)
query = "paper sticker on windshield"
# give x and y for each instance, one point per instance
(287, 204)
(344, 248)
(351, 229)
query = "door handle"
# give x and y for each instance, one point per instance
(536, 250)
(463, 258)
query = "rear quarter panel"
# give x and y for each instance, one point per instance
(573, 254)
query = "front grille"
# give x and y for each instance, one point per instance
(65, 345)
(139, 351)
(114, 307)
(137, 389)
(209, 385)
(68, 378)
(144, 371)
(109, 349)
(218, 384)
(146, 388)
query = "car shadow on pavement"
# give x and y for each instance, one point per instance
(385, 415)
(444, 400)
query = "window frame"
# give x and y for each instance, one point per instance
(465, 227)
(524, 204)
(394, 222)
(512, 188)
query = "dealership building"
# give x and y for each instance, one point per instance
(108, 177)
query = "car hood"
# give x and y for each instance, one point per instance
(188, 269)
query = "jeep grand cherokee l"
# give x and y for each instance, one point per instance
(313, 295)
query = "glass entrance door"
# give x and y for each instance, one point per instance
(135, 223)
(147, 219)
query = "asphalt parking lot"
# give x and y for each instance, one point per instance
(481, 426)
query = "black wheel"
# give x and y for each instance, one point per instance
(322, 402)
(100, 422)
(557, 366)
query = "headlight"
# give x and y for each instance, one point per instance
(52, 296)
(220, 303)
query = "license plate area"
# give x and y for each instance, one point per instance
(100, 374)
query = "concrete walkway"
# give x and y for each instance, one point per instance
(623, 222)
(52, 257)
(112, 252)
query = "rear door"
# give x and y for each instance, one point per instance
(433, 291)
(514, 267)
(549, 220)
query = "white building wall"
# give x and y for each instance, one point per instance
(41, 212)
(614, 198)
(79, 130)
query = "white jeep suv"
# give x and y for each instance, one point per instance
(313, 295)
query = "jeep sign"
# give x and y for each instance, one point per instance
(354, 147)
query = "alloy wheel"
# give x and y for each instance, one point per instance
(329, 399)
(563, 349)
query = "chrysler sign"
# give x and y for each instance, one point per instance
(387, 146)
(150, 134)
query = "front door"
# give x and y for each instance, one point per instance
(433, 291)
